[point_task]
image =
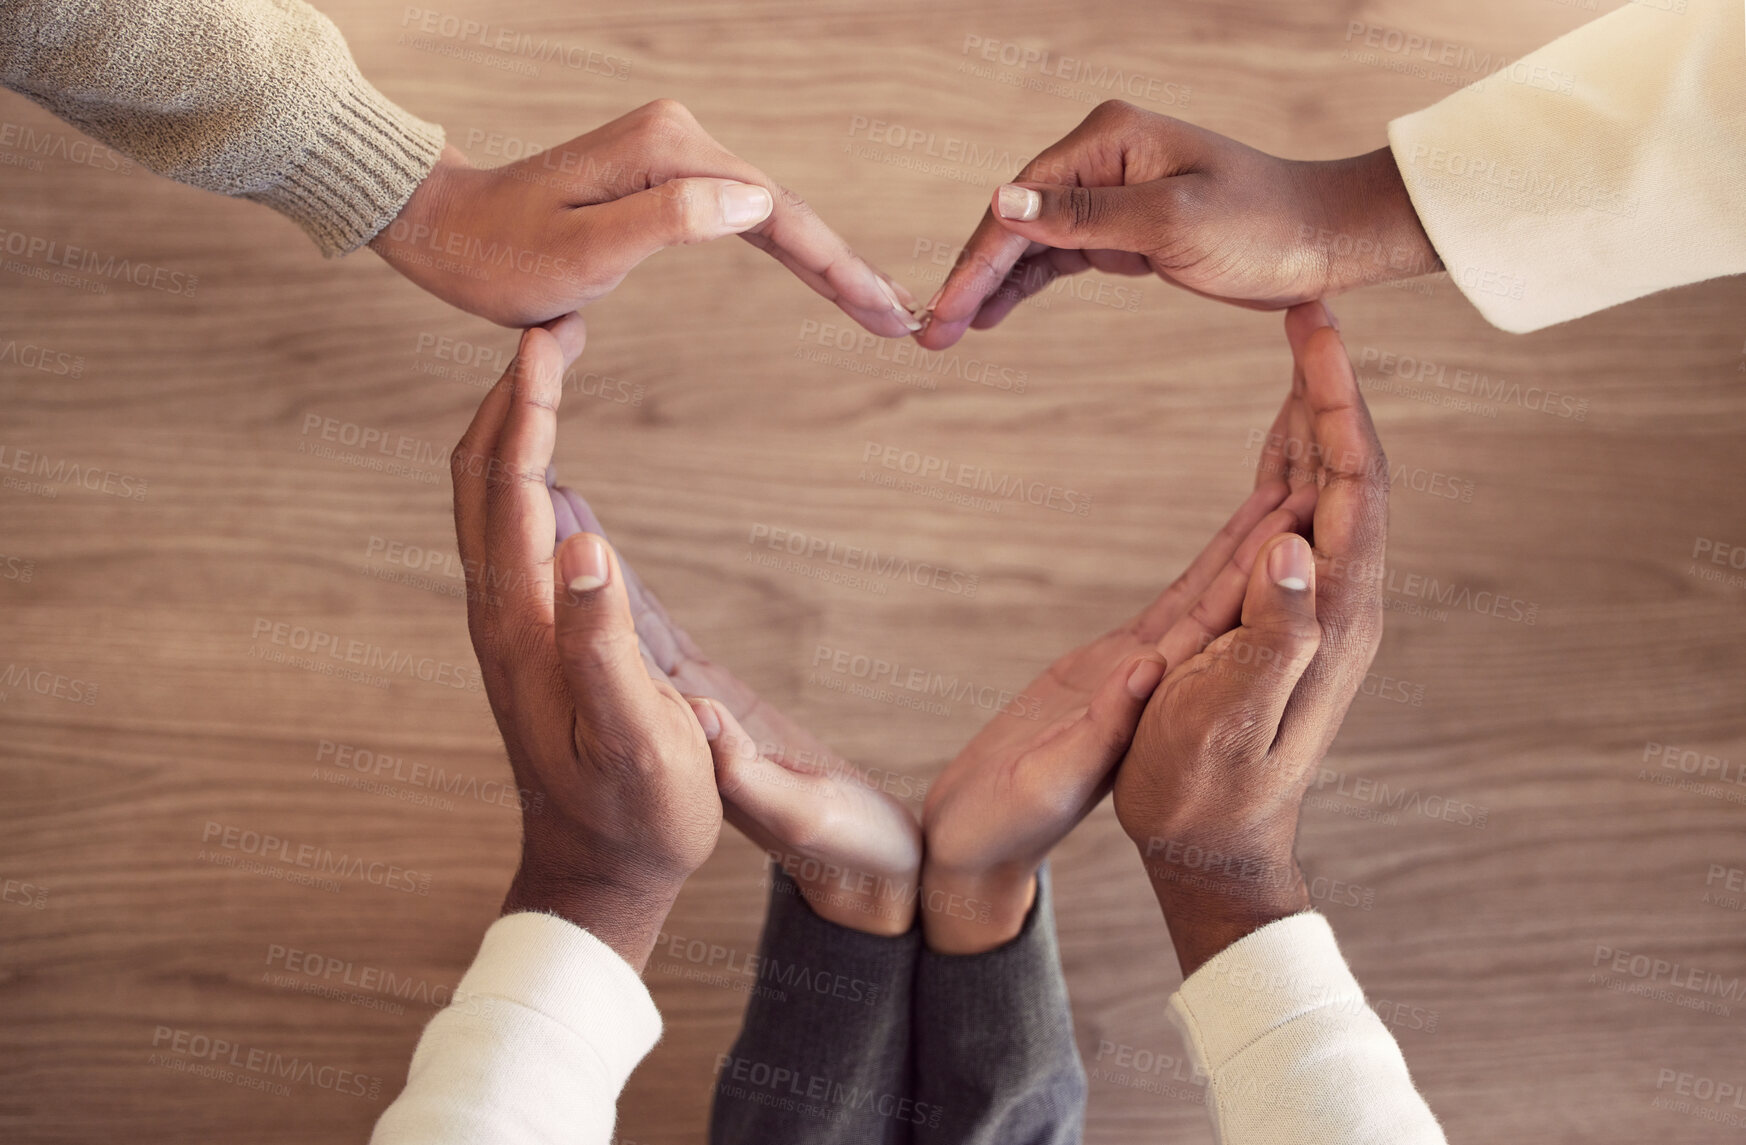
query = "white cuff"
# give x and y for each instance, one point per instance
(560, 970)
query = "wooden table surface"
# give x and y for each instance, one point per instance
(1496, 823)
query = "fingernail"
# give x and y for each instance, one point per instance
(1290, 565)
(585, 565)
(897, 307)
(1143, 680)
(1020, 204)
(707, 719)
(743, 204)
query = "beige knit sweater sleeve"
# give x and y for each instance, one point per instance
(254, 98)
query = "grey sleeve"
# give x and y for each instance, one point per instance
(995, 1060)
(823, 1057)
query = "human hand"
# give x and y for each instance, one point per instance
(1212, 787)
(1132, 192)
(627, 784)
(548, 234)
(1041, 764)
(851, 845)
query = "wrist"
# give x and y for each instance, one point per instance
(867, 901)
(1370, 232)
(1212, 898)
(625, 915)
(974, 911)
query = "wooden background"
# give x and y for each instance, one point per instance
(1479, 943)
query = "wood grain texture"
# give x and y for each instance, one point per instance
(1481, 940)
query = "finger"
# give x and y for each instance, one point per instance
(611, 238)
(1351, 519)
(471, 461)
(1093, 744)
(1125, 218)
(1029, 276)
(1176, 600)
(1218, 608)
(752, 784)
(793, 233)
(519, 523)
(1351, 537)
(1279, 635)
(596, 639)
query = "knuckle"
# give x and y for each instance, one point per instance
(1081, 209)
(688, 212)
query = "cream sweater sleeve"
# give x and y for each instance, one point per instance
(1608, 165)
(255, 98)
(1292, 1053)
(543, 1032)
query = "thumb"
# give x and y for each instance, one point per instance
(755, 787)
(1133, 218)
(596, 638)
(623, 232)
(1279, 633)
(1098, 739)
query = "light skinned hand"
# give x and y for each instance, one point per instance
(1042, 764)
(1132, 192)
(536, 239)
(628, 806)
(851, 845)
(1213, 784)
